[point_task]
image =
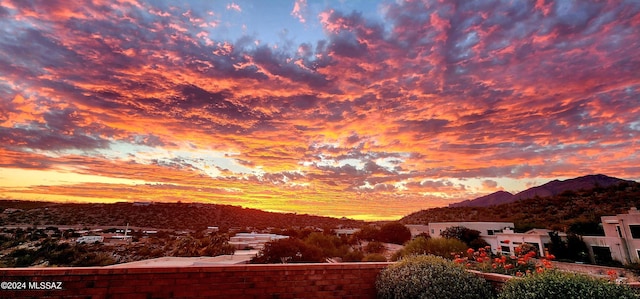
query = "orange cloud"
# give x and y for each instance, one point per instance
(374, 119)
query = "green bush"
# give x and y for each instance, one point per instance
(429, 276)
(436, 246)
(556, 284)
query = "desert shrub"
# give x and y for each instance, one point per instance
(375, 247)
(394, 232)
(429, 276)
(436, 246)
(374, 257)
(556, 284)
(353, 256)
(288, 251)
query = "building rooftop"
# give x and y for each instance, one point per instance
(240, 257)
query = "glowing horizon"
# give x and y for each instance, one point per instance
(367, 110)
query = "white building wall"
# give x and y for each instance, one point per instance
(613, 243)
(622, 240)
(509, 240)
(253, 240)
(485, 228)
(417, 229)
(90, 239)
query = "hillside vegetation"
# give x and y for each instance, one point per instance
(158, 215)
(575, 211)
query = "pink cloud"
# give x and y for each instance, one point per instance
(299, 10)
(234, 6)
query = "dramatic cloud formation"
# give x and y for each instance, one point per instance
(369, 112)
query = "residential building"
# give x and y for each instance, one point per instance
(485, 228)
(253, 240)
(347, 232)
(89, 239)
(621, 241)
(488, 230)
(508, 240)
(417, 229)
(499, 235)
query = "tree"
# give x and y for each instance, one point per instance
(330, 245)
(288, 251)
(217, 244)
(577, 249)
(558, 247)
(186, 246)
(367, 233)
(471, 237)
(394, 232)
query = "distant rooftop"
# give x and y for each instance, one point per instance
(240, 257)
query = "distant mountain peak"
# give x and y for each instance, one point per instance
(487, 200)
(551, 188)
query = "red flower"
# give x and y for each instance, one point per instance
(506, 241)
(470, 251)
(613, 274)
(551, 256)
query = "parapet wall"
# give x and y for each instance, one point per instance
(345, 280)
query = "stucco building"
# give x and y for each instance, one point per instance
(621, 241)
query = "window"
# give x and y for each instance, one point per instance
(601, 254)
(490, 232)
(619, 231)
(505, 249)
(635, 231)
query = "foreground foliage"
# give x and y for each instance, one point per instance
(524, 262)
(442, 247)
(429, 276)
(556, 284)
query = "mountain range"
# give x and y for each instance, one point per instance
(552, 188)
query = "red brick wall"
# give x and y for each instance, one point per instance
(346, 280)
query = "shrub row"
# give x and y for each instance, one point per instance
(427, 276)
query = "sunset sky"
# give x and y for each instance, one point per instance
(363, 109)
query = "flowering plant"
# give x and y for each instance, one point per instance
(521, 263)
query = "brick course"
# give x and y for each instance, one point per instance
(346, 280)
